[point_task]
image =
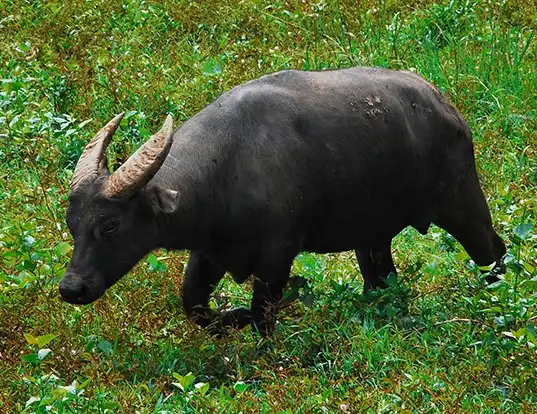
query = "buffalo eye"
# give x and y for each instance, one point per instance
(106, 229)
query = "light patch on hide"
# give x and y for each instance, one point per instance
(373, 103)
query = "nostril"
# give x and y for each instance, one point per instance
(80, 290)
(71, 289)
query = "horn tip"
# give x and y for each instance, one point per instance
(116, 120)
(169, 120)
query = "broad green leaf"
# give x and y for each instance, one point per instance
(28, 265)
(240, 387)
(31, 358)
(32, 340)
(15, 86)
(529, 268)
(153, 261)
(531, 284)
(92, 340)
(45, 339)
(519, 333)
(188, 379)
(47, 400)
(28, 241)
(184, 382)
(62, 248)
(59, 392)
(522, 231)
(391, 279)
(486, 268)
(496, 285)
(105, 346)
(202, 387)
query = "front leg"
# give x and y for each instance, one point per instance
(375, 264)
(202, 275)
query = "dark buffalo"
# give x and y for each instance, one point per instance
(294, 161)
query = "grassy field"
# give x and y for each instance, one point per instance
(437, 340)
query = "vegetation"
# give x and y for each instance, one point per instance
(437, 340)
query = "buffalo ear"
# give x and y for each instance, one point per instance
(163, 200)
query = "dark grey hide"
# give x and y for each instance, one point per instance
(294, 161)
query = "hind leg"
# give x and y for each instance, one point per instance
(375, 264)
(271, 276)
(468, 220)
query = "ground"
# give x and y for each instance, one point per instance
(438, 340)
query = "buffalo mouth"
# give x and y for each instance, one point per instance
(77, 291)
(80, 300)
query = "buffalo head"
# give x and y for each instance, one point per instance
(113, 218)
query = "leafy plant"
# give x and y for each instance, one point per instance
(437, 339)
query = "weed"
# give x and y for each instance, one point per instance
(437, 339)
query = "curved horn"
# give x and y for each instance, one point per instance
(142, 165)
(93, 157)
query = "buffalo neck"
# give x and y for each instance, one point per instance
(189, 227)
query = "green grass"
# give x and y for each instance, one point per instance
(436, 341)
